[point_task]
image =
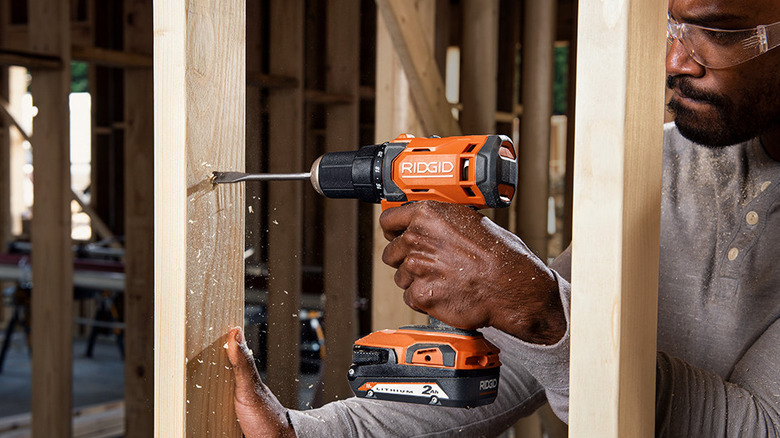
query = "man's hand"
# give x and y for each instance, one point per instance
(461, 268)
(259, 412)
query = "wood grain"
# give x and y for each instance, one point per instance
(285, 201)
(139, 224)
(341, 215)
(394, 109)
(199, 229)
(534, 148)
(52, 259)
(404, 26)
(616, 218)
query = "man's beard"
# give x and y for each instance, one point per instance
(729, 122)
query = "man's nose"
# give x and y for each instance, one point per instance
(680, 62)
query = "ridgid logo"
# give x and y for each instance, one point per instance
(488, 384)
(427, 169)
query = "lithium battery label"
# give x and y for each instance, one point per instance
(411, 389)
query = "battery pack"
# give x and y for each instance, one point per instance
(426, 365)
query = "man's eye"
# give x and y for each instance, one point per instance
(723, 38)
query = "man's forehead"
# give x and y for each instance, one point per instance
(725, 13)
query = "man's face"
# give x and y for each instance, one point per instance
(719, 107)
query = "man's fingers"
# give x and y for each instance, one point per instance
(402, 278)
(244, 370)
(395, 252)
(397, 219)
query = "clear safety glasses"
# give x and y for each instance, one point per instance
(720, 48)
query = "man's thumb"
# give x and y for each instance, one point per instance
(244, 370)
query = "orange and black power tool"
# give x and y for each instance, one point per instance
(434, 364)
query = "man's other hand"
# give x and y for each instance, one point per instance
(461, 268)
(259, 412)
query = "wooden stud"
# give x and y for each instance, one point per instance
(100, 228)
(5, 165)
(479, 67)
(340, 261)
(199, 97)
(52, 257)
(404, 27)
(285, 201)
(17, 89)
(394, 109)
(112, 58)
(571, 114)
(508, 42)
(616, 218)
(139, 224)
(534, 147)
(478, 75)
(255, 199)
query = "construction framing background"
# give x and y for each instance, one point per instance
(313, 85)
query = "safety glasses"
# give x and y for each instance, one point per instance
(720, 48)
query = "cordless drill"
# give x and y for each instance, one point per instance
(434, 364)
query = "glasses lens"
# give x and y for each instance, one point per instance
(720, 48)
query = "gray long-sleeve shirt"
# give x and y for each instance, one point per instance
(718, 365)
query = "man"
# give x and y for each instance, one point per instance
(718, 365)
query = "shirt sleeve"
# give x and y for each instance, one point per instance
(692, 402)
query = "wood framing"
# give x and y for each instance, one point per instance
(616, 218)
(285, 201)
(534, 148)
(394, 109)
(479, 67)
(255, 211)
(139, 224)
(199, 125)
(52, 257)
(5, 163)
(340, 260)
(405, 28)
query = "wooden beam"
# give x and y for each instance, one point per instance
(478, 75)
(9, 117)
(425, 80)
(17, 36)
(100, 227)
(255, 157)
(102, 420)
(52, 257)
(93, 55)
(5, 180)
(263, 80)
(112, 58)
(5, 166)
(285, 201)
(340, 261)
(571, 114)
(394, 109)
(534, 147)
(617, 196)
(479, 66)
(139, 224)
(29, 60)
(199, 97)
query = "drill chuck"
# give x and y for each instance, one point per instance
(352, 174)
(480, 171)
